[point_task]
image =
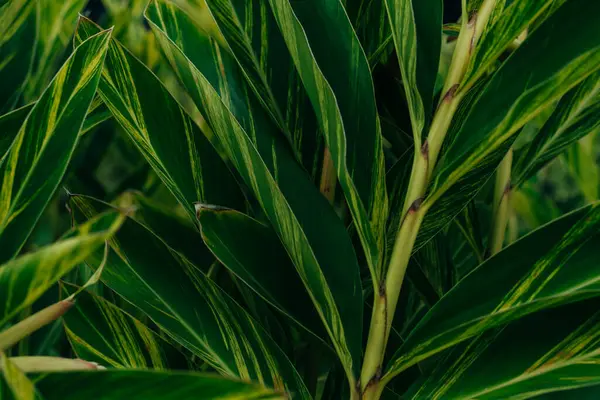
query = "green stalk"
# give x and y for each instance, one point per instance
(414, 209)
(501, 204)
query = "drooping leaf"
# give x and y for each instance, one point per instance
(191, 308)
(306, 224)
(544, 269)
(576, 115)
(102, 332)
(184, 159)
(240, 243)
(548, 351)
(417, 31)
(546, 66)
(26, 278)
(17, 26)
(40, 153)
(336, 75)
(146, 385)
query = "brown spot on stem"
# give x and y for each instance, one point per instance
(451, 93)
(414, 207)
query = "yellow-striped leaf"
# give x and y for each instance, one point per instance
(544, 269)
(10, 123)
(26, 278)
(191, 308)
(41, 150)
(100, 331)
(167, 137)
(306, 224)
(18, 384)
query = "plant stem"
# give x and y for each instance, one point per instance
(414, 209)
(501, 204)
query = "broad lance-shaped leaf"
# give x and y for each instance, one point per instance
(182, 157)
(56, 23)
(544, 269)
(191, 308)
(417, 32)
(40, 153)
(546, 66)
(576, 115)
(370, 21)
(10, 123)
(306, 224)
(257, 45)
(25, 279)
(512, 22)
(240, 243)
(18, 37)
(102, 332)
(548, 351)
(146, 385)
(336, 75)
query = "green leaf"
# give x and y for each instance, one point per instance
(19, 385)
(306, 224)
(146, 385)
(370, 21)
(417, 32)
(184, 160)
(102, 332)
(546, 66)
(97, 114)
(191, 308)
(336, 75)
(10, 123)
(26, 278)
(548, 351)
(56, 23)
(257, 45)
(240, 243)
(18, 38)
(544, 269)
(512, 22)
(576, 115)
(581, 161)
(40, 153)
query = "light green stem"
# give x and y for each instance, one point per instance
(414, 210)
(501, 209)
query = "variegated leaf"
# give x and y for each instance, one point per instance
(544, 269)
(336, 75)
(147, 385)
(576, 115)
(42, 148)
(167, 137)
(417, 32)
(10, 124)
(370, 21)
(549, 351)
(102, 332)
(191, 308)
(306, 224)
(25, 279)
(18, 384)
(546, 66)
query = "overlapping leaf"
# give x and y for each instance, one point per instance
(102, 332)
(191, 308)
(546, 268)
(18, 384)
(26, 278)
(10, 123)
(240, 243)
(576, 115)
(546, 66)
(336, 75)
(257, 45)
(370, 21)
(42, 148)
(17, 26)
(299, 214)
(146, 385)
(546, 352)
(169, 140)
(417, 32)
